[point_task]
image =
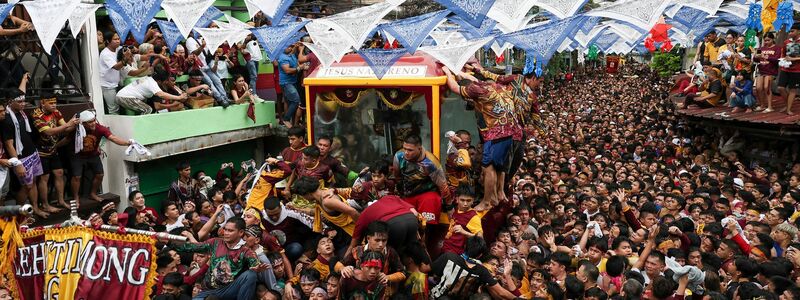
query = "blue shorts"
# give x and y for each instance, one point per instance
(496, 153)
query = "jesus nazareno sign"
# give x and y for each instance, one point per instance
(81, 263)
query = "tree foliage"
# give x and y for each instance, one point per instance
(666, 63)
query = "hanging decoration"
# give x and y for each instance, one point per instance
(273, 9)
(562, 9)
(473, 11)
(750, 38)
(543, 40)
(214, 37)
(185, 13)
(325, 57)
(274, 39)
(397, 98)
(660, 32)
(411, 32)
(606, 40)
(510, 12)
(78, 17)
(785, 16)
(48, 17)
(666, 46)
(753, 20)
(212, 14)
(358, 23)
(171, 33)
(137, 13)
(650, 44)
(625, 31)
(521, 24)
(769, 13)
(530, 65)
(708, 6)
(736, 9)
(380, 61)
(593, 51)
(252, 7)
(687, 18)
(454, 56)
(334, 42)
(500, 50)
(442, 37)
(6, 8)
(237, 30)
(640, 13)
(120, 25)
(588, 24)
(483, 31)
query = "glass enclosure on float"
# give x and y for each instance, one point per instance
(369, 118)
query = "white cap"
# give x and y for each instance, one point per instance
(738, 182)
(86, 116)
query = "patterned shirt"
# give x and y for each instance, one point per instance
(46, 144)
(225, 263)
(495, 102)
(526, 103)
(421, 176)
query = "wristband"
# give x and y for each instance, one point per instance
(14, 161)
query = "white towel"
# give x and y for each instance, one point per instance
(80, 133)
(18, 146)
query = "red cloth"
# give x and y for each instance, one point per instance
(429, 204)
(91, 142)
(457, 242)
(384, 209)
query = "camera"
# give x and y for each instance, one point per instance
(223, 57)
(205, 92)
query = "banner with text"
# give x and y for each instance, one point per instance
(82, 263)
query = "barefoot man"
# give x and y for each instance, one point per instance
(87, 153)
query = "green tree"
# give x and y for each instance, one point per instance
(667, 63)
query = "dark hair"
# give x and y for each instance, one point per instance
(272, 203)
(662, 287)
(413, 139)
(465, 190)
(380, 166)
(311, 151)
(311, 273)
(370, 255)
(376, 227)
(163, 261)
(182, 165)
(616, 265)
(173, 278)
(325, 137)
(561, 258)
(770, 35)
(596, 292)
(305, 185)
(746, 266)
(239, 222)
(228, 195)
(590, 270)
(167, 204)
(297, 131)
(195, 73)
(475, 247)
(108, 36)
(133, 195)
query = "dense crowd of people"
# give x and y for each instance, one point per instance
(590, 188)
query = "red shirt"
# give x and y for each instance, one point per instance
(384, 209)
(455, 242)
(292, 155)
(91, 142)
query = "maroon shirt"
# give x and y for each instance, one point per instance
(384, 209)
(292, 155)
(768, 66)
(91, 142)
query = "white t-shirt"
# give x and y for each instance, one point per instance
(192, 45)
(109, 77)
(255, 51)
(222, 69)
(142, 89)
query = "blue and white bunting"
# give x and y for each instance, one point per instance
(360, 22)
(380, 61)
(411, 32)
(640, 13)
(543, 40)
(171, 33)
(212, 14)
(277, 9)
(473, 32)
(454, 56)
(509, 13)
(79, 16)
(120, 25)
(473, 11)
(687, 18)
(561, 8)
(274, 39)
(137, 13)
(588, 23)
(185, 13)
(48, 17)
(6, 8)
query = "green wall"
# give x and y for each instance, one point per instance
(156, 176)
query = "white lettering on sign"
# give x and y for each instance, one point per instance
(366, 72)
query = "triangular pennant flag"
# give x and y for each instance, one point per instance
(212, 14)
(336, 43)
(138, 14)
(640, 13)
(390, 39)
(326, 58)
(455, 56)
(237, 30)
(629, 33)
(708, 6)
(358, 23)
(276, 9)
(483, 31)
(316, 29)
(380, 61)
(442, 37)
(509, 12)
(48, 17)
(251, 112)
(687, 18)
(543, 40)
(171, 33)
(274, 38)
(562, 8)
(214, 37)
(473, 11)
(252, 7)
(499, 50)
(410, 32)
(588, 24)
(6, 8)
(120, 25)
(185, 13)
(79, 16)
